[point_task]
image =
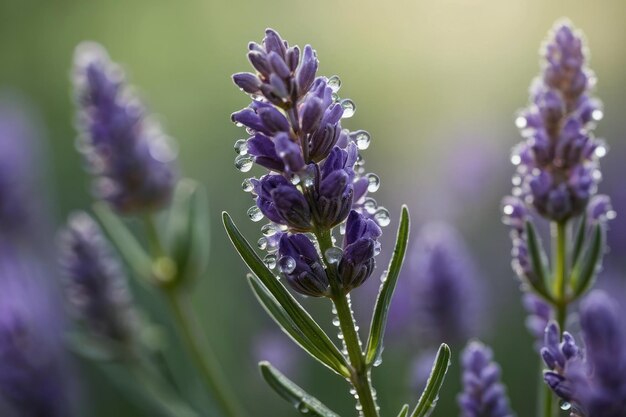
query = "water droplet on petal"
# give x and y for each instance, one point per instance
(241, 147)
(516, 159)
(243, 163)
(255, 213)
(508, 209)
(362, 139)
(247, 185)
(382, 217)
(611, 214)
(370, 205)
(287, 264)
(373, 183)
(334, 83)
(262, 243)
(564, 405)
(268, 229)
(597, 114)
(270, 261)
(349, 108)
(333, 255)
(521, 122)
(600, 151)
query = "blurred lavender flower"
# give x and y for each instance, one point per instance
(127, 152)
(316, 172)
(34, 375)
(444, 285)
(483, 394)
(95, 282)
(563, 359)
(17, 177)
(539, 315)
(557, 164)
(275, 347)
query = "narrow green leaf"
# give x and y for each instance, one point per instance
(294, 310)
(300, 399)
(404, 412)
(126, 244)
(381, 310)
(428, 399)
(275, 310)
(584, 272)
(538, 261)
(188, 229)
(581, 233)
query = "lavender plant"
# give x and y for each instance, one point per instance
(314, 192)
(556, 180)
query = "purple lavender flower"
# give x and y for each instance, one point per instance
(127, 152)
(316, 175)
(557, 164)
(273, 346)
(600, 209)
(95, 282)
(445, 286)
(33, 369)
(483, 394)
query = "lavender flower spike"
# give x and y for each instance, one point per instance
(126, 151)
(444, 285)
(33, 373)
(483, 394)
(95, 283)
(557, 164)
(360, 247)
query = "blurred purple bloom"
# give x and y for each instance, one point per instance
(539, 315)
(126, 151)
(34, 374)
(275, 347)
(445, 290)
(557, 164)
(600, 209)
(96, 285)
(483, 394)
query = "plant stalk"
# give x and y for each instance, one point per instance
(359, 370)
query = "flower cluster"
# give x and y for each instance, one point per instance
(593, 385)
(127, 152)
(557, 164)
(316, 179)
(483, 394)
(96, 286)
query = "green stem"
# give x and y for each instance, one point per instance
(192, 334)
(359, 372)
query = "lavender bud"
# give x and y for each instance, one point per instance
(96, 285)
(302, 266)
(247, 82)
(360, 247)
(128, 154)
(483, 394)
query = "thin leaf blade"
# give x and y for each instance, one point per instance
(586, 269)
(298, 314)
(538, 262)
(381, 310)
(428, 399)
(404, 412)
(300, 399)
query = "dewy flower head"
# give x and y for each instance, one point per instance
(33, 376)
(127, 152)
(95, 282)
(557, 164)
(316, 175)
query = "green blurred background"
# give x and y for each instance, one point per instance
(436, 83)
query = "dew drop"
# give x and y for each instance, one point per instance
(373, 183)
(611, 214)
(287, 264)
(370, 205)
(333, 255)
(362, 139)
(334, 83)
(334, 97)
(564, 405)
(508, 209)
(270, 261)
(241, 147)
(597, 115)
(295, 180)
(262, 243)
(521, 122)
(247, 185)
(268, 230)
(336, 322)
(382, 217)
(516, 159)
(243, 163)
(255, 213)
(303, 408)
(349, 108)
(600, 151)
